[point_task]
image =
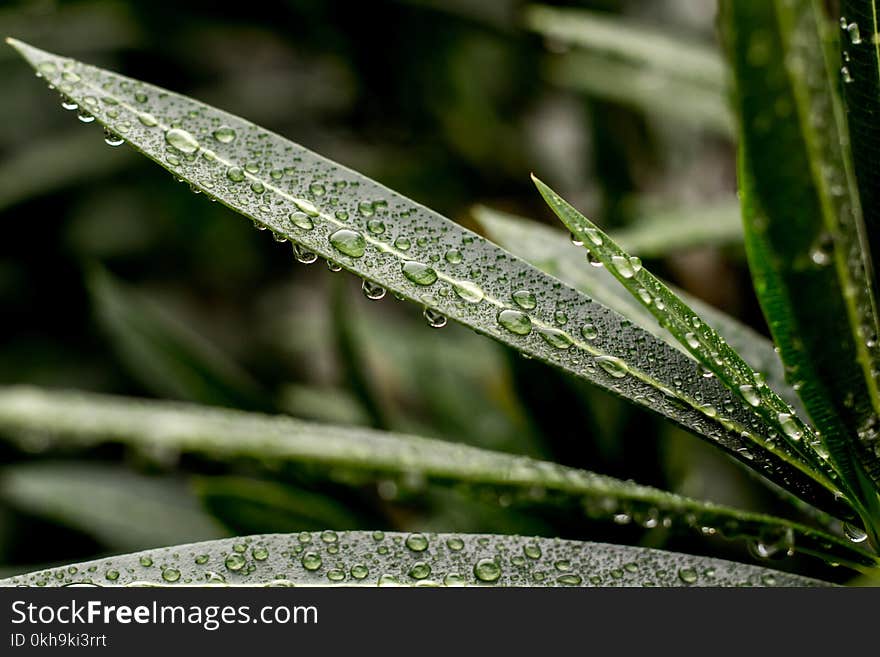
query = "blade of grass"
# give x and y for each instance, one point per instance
(551, 250)
(81, 420)
(804, 229)
(355, 559)
(331, 211)
(860, 71)
(168, 357)
(123, 510)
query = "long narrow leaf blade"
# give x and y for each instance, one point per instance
(123, 510)
(551, 250)
(860, 73)
(793, 439)
(393, 559)
(389, 240)
(804, 230)
(80, 420)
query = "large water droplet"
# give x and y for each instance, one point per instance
(515, 321)
(470, 292)
(301, 220)
(182, 140)
(524, 299)
(349, 242)
(416, 542)
(147, 119)
(235, 562)
(487, 570)
(419, 273)
(614, 366)
(311, 561)
(789, 426)
(589, 332)
(555, 338)
(623, 266)
(854, 533)
(224, 134)
(750, 394)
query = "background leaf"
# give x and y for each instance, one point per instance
(357, 455)
(116, 506)
(368, 559)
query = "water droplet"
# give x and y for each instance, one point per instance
(623, 266)
(402, 244)
(532, 550)
(453, 579)
(789, 426)
(419, 570)
(692, 340)
(555, 338)
(359, 571)
(387, 579)
(589, 332)
(303, 255)
(257, 187)
(515, 321)
(470, 292)
(376, 226)
(349, 242)
(68, 103)
(419, 273)
(171, 574)
(224, 134)
(336, 574)
(453, 256)
(524, 299)
(688, 575)
(435, 319)
(577, 241)
(416, 542)
(85, 116)
(593, 260)
(334, 267)
(306, 206)
(854, 533)
(855, 36)
(614, 366)
(235, 562)
(372, 290)
(112, 575)
(147, 119)
(301, 220)
(845, 74)
(182, 140)
(111, 138)
(141, 97)
(311, 561)
(487, 570)
(70, 76)
(455, 544)
(146, 562)
(570, 580)
(750, 394)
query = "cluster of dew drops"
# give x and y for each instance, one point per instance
(514, 319)
(855, 39)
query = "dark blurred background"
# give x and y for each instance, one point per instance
(111, 273)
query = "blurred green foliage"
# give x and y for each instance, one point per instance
(113, 281)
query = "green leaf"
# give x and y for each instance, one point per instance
(123, 510)
(804, 228)
(393, 559)
(331, 211)
(245, 505)
(357, 455)
(167, 356)
(792, 440)
(860, 72)
(631, 63)
(551, 250)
